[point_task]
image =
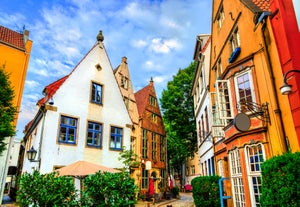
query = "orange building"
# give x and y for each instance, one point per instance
(244, 64)
(15, 51)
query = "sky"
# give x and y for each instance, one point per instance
(158, 38)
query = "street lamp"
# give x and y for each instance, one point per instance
(286, 88)
(31, 154)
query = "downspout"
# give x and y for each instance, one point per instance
(41, 136)
(277, 110)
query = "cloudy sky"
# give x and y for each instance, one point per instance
(157, 36)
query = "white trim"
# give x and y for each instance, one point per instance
(250, 173)
(222, 86)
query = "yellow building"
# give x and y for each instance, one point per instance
(15, 51)
(244, 71)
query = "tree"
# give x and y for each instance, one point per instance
(178, 115)
(129, 159)
(7, 109)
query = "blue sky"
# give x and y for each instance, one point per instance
(157, 36)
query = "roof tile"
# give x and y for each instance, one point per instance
(11, 37)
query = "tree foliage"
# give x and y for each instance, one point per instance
(45, 190)
(7, 109)
(178, 114)
(129, 159)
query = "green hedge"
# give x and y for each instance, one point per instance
(206, 191)
(281, 181)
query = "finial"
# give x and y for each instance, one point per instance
(100, 36)
(124, 59)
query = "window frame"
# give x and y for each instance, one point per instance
(256, 174)
(68, 128)
(237, 184)
(94, 95)
(154, 147)
(145, 144)
(234, 39)
(94, 131)
(224, 99)
(117, 137)
(236, 85)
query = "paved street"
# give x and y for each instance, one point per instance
(186, 200)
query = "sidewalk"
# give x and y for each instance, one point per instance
(185, 200)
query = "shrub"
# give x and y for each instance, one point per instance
(45, 190)
(108, 189)
(175, 191)
(280, 181)
(206, 191)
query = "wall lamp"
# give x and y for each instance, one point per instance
(31, 154)
(286, 89)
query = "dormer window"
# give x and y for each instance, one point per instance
(152, 101)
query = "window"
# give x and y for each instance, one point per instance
(235, 40)
(67, 130)
(162, 182)
(217, 123)
(124, 82)
(244, 90)
(254, 159)
(154, 118)
(145, 144)
(144, 178)
(162, 149)
(220, 168)
(94, 135)
(236, 179)
(96, 96)
(220, 17)
(154, 149)
(187, 171)
(116, 135)
(224, 99)
(193, 169)
(206, 120)
(153, 101)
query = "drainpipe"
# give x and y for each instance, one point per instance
(277, 110)
(41, 136)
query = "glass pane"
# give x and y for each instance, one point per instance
(64, 120)
(72, 122)
(90, 138)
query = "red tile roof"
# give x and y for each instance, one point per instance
(51, 89)
(11, 38)
(141, 98)
(262, 4)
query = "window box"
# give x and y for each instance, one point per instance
(234, 54)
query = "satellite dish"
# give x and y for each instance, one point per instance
(242, 122)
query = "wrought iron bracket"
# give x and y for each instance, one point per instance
(260, 111)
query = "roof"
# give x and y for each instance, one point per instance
(51, 89)
(11, 38)
(140, 97)
(257, 5)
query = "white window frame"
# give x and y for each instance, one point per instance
(249, 72)
(256, 173)
(220, 168)
(235, 41)
(238, 192)
(215, 120)
(224, 112)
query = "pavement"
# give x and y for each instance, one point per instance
(184, 200)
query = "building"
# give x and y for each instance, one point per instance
(152, 139)
(285, 21)
(244, 64)
(202, 107)
(15, 48)
(122, 76)
(82, 116)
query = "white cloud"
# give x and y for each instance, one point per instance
(139, 43)
(164, 46)
(149, 64)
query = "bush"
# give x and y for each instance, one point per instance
(108, 189)
(206, 191)
(175, 191)
(280, 181)
(45, 190)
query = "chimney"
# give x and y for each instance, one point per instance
(25, 35)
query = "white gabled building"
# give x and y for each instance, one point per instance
(82, 117)
(202, 106)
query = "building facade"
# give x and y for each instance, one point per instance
(15, 49)
(285, 21)
(202, 106)
(242, 71)
(152, 139)
(82, 116)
